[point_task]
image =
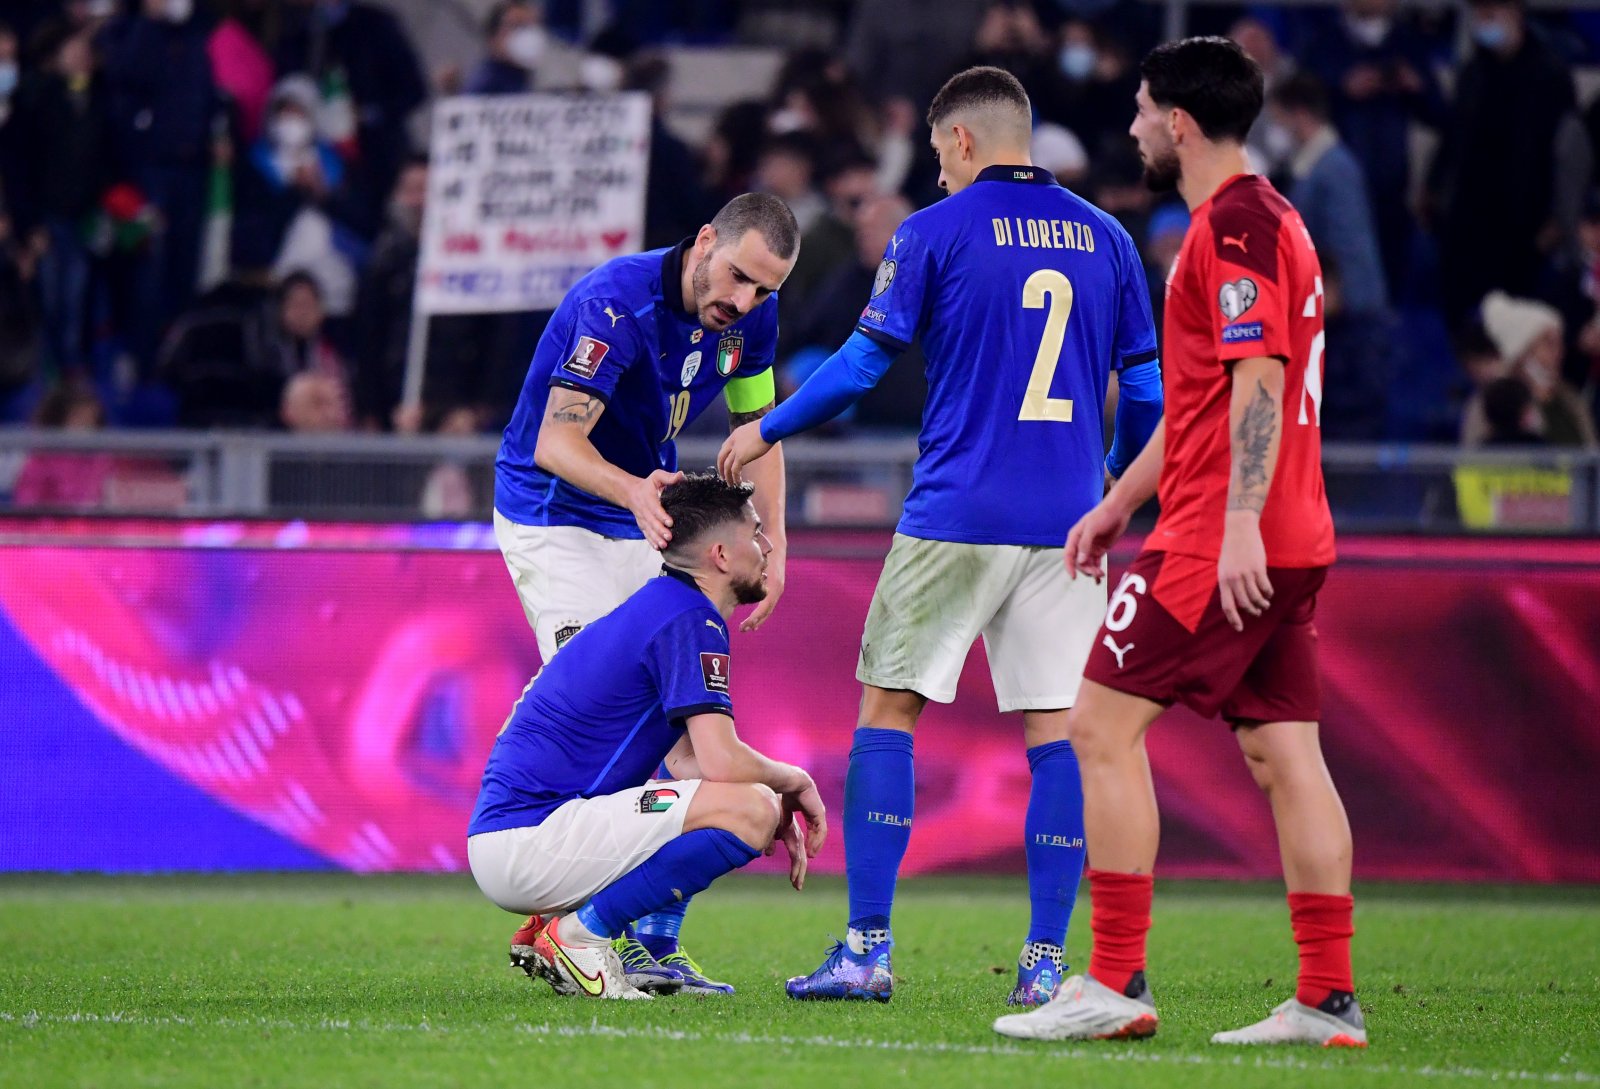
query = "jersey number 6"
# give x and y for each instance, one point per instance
(1037, 404)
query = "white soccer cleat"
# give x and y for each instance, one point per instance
(1085, 1009)
(1296, 1023)
(590, 971)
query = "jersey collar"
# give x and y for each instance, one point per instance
(1028, 175)
(681, 575)
(672, 279)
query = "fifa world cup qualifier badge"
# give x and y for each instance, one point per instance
(658, 800)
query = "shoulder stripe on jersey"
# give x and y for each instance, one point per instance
(1139, 358)
(892, 342)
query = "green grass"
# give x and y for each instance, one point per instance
(335, 980)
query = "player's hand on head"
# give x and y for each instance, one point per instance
(775, 582)
(1243, 586)
(644, 501)
(740, 448)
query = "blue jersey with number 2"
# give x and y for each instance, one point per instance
(1024, 296)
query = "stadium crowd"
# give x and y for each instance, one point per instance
(210, 209)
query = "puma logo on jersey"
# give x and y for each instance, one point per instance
(614, 316)
(714, 626)
(1228, 240)
(1111, 645)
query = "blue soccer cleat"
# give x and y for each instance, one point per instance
(848, 975)
(1038, 981)
(643, 970)
(694, 979)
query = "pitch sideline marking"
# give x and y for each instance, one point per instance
(594, 1029)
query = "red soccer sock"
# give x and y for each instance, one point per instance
(1323, 926)
(1121, 918)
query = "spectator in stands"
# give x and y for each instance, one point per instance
(65, 479)
(162, 104)
(1496, 171)
(516, 45)
(1584, 364)
(1511, 416)
(1380, 83)
(905, 49)
(1528, 336)
(60, 113)
(314, 403)
(1094, 82)
(1330, 193)
(676, 202)
(732, 149)
(1269, 145)
(1010, 36)
(1363, 356)
(1163, 239)
(849, 179)
(786, 168)
(288, 173)
(369, 77)
(11, 157)
(830, 313)
(19, 323)
(1059, 151)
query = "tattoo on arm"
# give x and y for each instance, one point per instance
(737, 420)
(1252, 443)
(576, 408)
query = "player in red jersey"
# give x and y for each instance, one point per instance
(1217, 611)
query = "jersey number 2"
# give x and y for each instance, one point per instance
(1037, 404)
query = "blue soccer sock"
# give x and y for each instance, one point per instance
(658, 931)
(1053, 832)
(683, 867)
(879, 794)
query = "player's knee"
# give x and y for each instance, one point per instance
(756, 818)
(1089, 737)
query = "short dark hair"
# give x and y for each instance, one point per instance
(1302, 91)
(497, 15)
(758, 212)
(701, 502)
(980, 87)
(1210, 79)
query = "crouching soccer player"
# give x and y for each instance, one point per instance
(568, 819)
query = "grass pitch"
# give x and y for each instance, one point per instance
(337, 980)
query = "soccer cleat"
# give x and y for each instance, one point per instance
(522, 944)
(643, 970)
(848, 975)
(1337, 1023)
(691, 978)
(590, 971)
(1037, 983)
(1086, 1009)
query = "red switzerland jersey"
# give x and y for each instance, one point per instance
(1246, 283)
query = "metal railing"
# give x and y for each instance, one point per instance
(833, 482)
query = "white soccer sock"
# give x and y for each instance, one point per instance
(862, 942)
(571, 931)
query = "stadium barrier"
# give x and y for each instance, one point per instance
(185, 695)
(858, 481)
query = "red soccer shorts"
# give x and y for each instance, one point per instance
(1165, 639)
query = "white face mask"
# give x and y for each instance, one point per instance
(292, 131)
(526, 45)
(1368, 30)
(178, 11)
(599, 73)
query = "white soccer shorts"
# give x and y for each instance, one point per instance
(568, 577)
(581, 848)
(935, 597)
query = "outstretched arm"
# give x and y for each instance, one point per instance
(771, 500)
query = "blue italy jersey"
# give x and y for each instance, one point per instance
(623, 334)
(1024, 297)
(602, 715)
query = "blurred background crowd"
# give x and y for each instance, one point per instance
(210, 209)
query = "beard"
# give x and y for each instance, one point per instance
(701, 282)
(1163, 172)
(752, 591)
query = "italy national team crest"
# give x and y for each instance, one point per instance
(658, 800)
(730, 351)
(691, 367)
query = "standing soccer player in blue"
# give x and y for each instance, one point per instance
(1025, 297)
(637, 349)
